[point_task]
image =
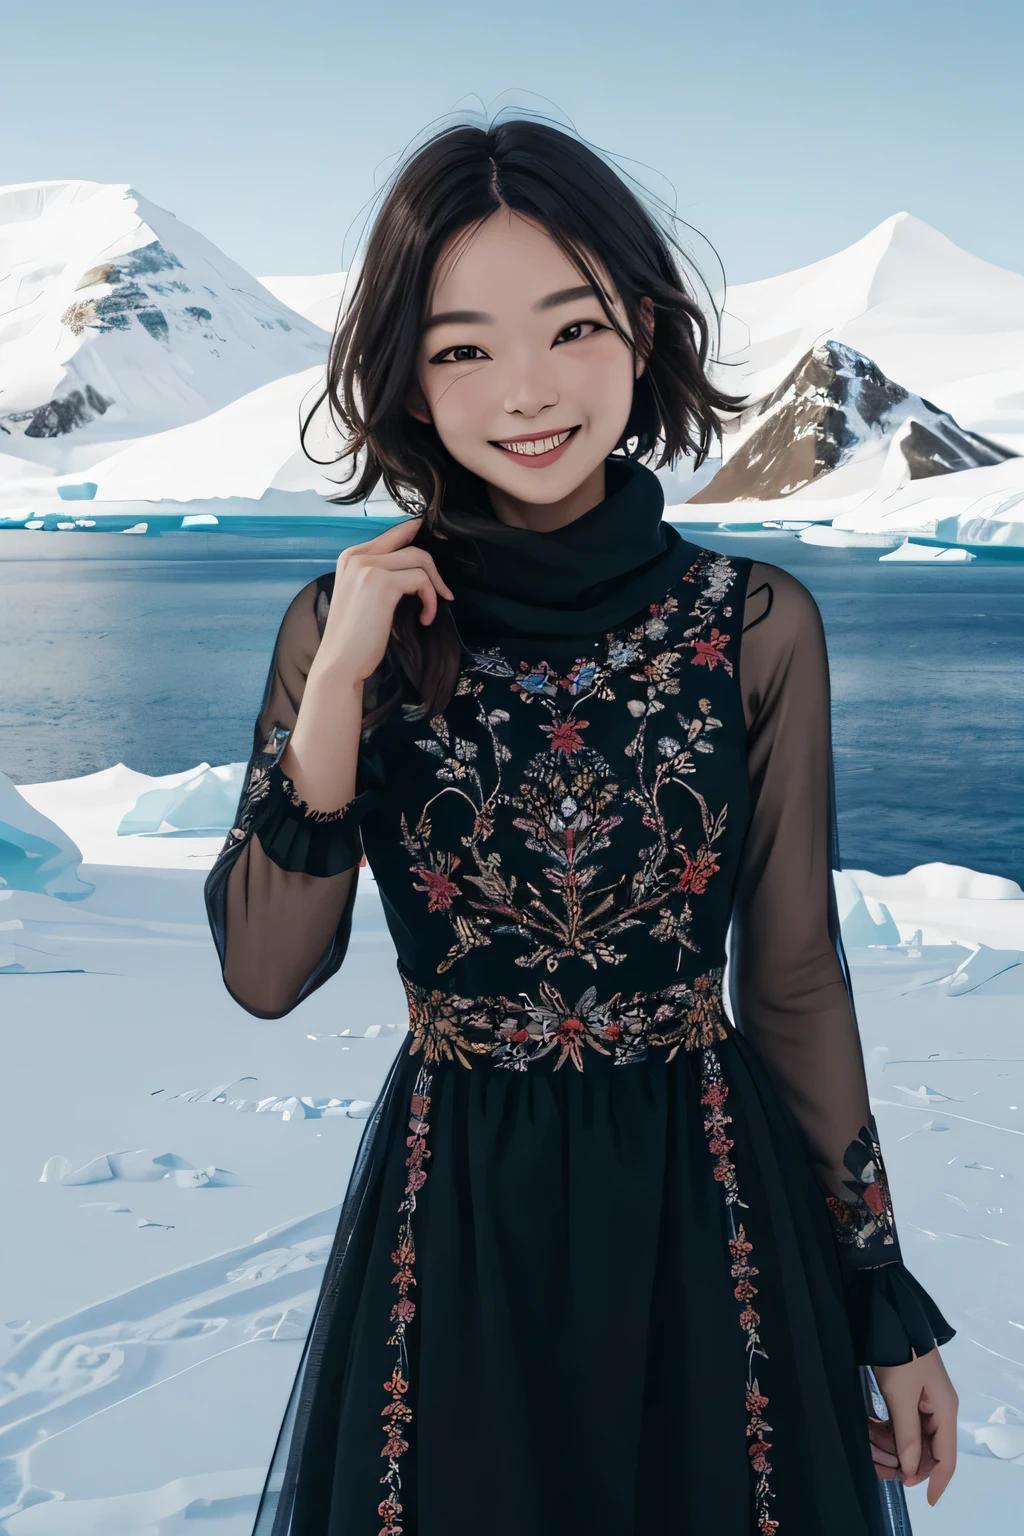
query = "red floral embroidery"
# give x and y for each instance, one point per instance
(440, 891)
(697, 872)
(398, 1414)
(708, 653)
(714, 1094)
(565, 736)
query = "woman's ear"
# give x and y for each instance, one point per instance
(645, 336)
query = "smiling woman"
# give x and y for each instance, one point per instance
(618, 1235)
(513, 288)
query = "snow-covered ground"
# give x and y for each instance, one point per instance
(173, 1212)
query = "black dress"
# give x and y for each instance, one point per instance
(618, 1234)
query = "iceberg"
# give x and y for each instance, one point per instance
(203, 805)
(35, 854)
(864, 921)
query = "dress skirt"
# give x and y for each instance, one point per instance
(603, 1301)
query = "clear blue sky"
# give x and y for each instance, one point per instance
(787, 129)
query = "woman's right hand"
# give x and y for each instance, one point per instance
(370, 580)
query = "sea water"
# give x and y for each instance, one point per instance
(153, 651)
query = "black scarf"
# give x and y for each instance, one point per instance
(580, 580)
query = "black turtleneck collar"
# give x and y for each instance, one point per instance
(579, 580)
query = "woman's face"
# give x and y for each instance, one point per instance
(515, 347)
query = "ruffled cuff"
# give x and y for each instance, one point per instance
(891, 1314)
(298, 839)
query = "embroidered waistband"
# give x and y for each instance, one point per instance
(513, 1032)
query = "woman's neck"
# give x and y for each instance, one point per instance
(544, 518)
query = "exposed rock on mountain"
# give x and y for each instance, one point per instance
(924, 310)
(834, 408)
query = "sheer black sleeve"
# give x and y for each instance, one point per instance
(790, 988)
(281, 893)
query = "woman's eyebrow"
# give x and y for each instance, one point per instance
(478, 317)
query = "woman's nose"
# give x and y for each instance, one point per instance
(529, 388)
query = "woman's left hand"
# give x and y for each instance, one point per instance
(919, 1438)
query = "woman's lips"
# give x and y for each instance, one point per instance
(538, 460)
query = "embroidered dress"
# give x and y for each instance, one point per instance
(619, 1233)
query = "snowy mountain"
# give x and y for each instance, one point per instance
(317, 298)
(117, 321)
(136, 356)
(834, 409)
(244, 449)
(948, 325)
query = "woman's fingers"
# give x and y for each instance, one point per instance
(883, 1447)
(413, 581)
(400, 559)
(906, 1425)
(425, 588)
(393, 550)
(942, 1426)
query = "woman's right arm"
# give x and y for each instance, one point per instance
(281, 894)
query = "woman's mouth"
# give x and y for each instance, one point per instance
(537, 451)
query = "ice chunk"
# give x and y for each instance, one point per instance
(55, 1169)
(139, 1167)
(863, 919)
(191, 1178)
(35, 854)
(980, 967)
(928, 1095)
(203, 805)
(355, 1109)
(1002, 1434)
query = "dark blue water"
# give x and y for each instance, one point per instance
(156, 657)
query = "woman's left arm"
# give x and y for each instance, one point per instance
(791, 995)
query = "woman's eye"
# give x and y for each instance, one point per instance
(597, 326)
(466, 346)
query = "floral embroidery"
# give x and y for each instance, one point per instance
(257, 783)
(514, 1032)
(570, 799)
(714, 1094)
(398, 1414)
(296, 800)
(867, 1218)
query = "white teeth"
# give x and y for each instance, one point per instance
(532, 449)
